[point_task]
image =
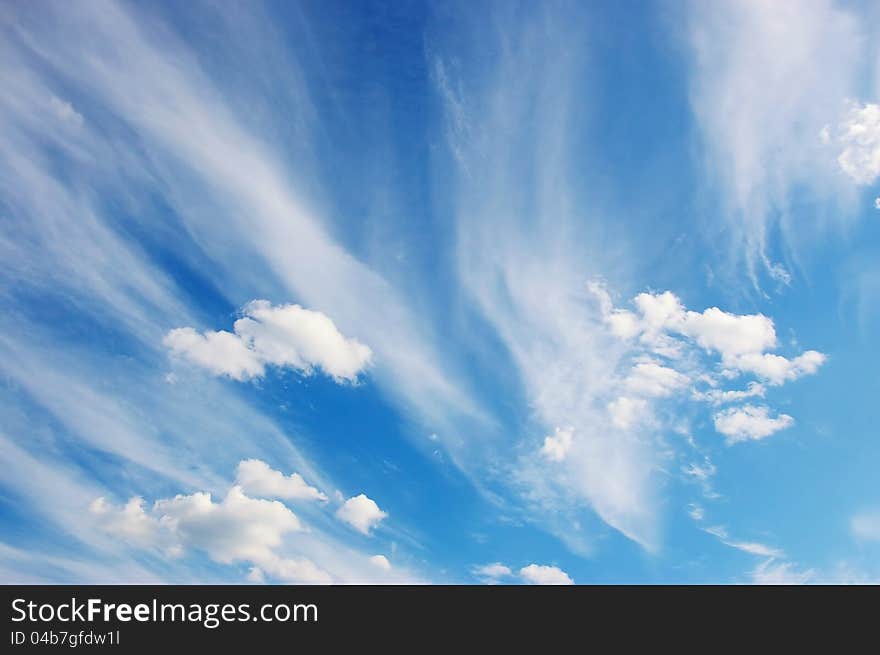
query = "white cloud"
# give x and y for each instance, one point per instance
(222, 353)
(130, 523)
(520, 244)
(866, 526)
(755, 548)
(544, 575)
(859, 137)
(493, 571)
(688, 337)
(877, 202)
(238, 529)
(361, 513)
(626, 412)
(771, 572)
(258, 479)
(730, 335)
(776, 369)
(381, 562)
(750, 547)
(233, 214)
(767, 77)
(557, 445)
(296, 571)
(739, 339)
(652, 379)
(696, 512)
(263, 534)
(701, 472)
(749, 422)
(719, 397)
(283, 336)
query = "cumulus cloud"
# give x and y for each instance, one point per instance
(544, 575)
(535, 574)
(261, 533)
(877, 202)
(493, 572)
(259, 479)
(730, 335)
(557, 445)
(653, 379)
(859, 138)
(665, 327)
(361, 513)
(750, 422)
(238, 529)
(130, 523)
(221, 353)
(284, 336)
(777, 370)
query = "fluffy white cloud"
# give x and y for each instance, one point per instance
(557, 445)
(749, 422)
(776, 369)
(866, 526)
(493, 571)
(258, 479)
(221, 353)
(361, 513)
(653, 379)
(130, 523)
(296, 571)
(739, 339)
(877, 202)
(859, 139)
(730, 335)
(288, 335)
(544, 575)
(659, 311)
(283, 336)
(238, 529)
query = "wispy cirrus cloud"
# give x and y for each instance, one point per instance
(766, 79)
(154, 152)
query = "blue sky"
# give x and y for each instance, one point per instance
(457, 293)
